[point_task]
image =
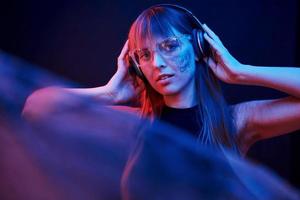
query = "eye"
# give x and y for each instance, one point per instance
(169, 45)
(144, 54)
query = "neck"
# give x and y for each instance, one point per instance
(182, 100)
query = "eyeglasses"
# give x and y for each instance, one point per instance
(168, 48)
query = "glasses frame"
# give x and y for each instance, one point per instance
(132, 53)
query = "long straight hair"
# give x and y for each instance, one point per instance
(218, 128)
(215, 114)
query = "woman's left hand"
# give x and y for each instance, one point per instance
(222, 63)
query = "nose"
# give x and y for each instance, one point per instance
(158, 60)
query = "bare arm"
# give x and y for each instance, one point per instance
(265, 118)
(285, 79)
(269, 118)
(120, 89)
(101, 93)
(52, 99)
(229, 70)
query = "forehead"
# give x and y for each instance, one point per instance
(150, 40)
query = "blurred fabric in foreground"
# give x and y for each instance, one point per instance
(80, 151)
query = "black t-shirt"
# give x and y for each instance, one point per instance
(183, 118)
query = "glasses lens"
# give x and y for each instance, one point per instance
(142, 56)
(167, 48)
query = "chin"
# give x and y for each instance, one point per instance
(168, 91)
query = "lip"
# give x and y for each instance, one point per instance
(163, 77)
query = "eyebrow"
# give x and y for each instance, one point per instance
(142, 49)
(163, 40)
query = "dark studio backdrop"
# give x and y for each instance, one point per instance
(81, 41)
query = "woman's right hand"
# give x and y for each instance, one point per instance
(123, 87)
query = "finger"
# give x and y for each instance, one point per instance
(124, 50)
(211, 63)
(212, 34)
(212, 43)
(123, 61)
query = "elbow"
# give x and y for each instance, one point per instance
(38, 104)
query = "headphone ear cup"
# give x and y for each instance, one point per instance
(196, 47)
(135, 69)
(201, 46)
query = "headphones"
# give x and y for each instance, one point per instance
(200, 45)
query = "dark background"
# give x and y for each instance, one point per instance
(81, 41)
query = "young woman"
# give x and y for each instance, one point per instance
(177, 84)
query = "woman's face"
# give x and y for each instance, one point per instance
(168, 64)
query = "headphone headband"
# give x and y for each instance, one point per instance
(180, 8)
